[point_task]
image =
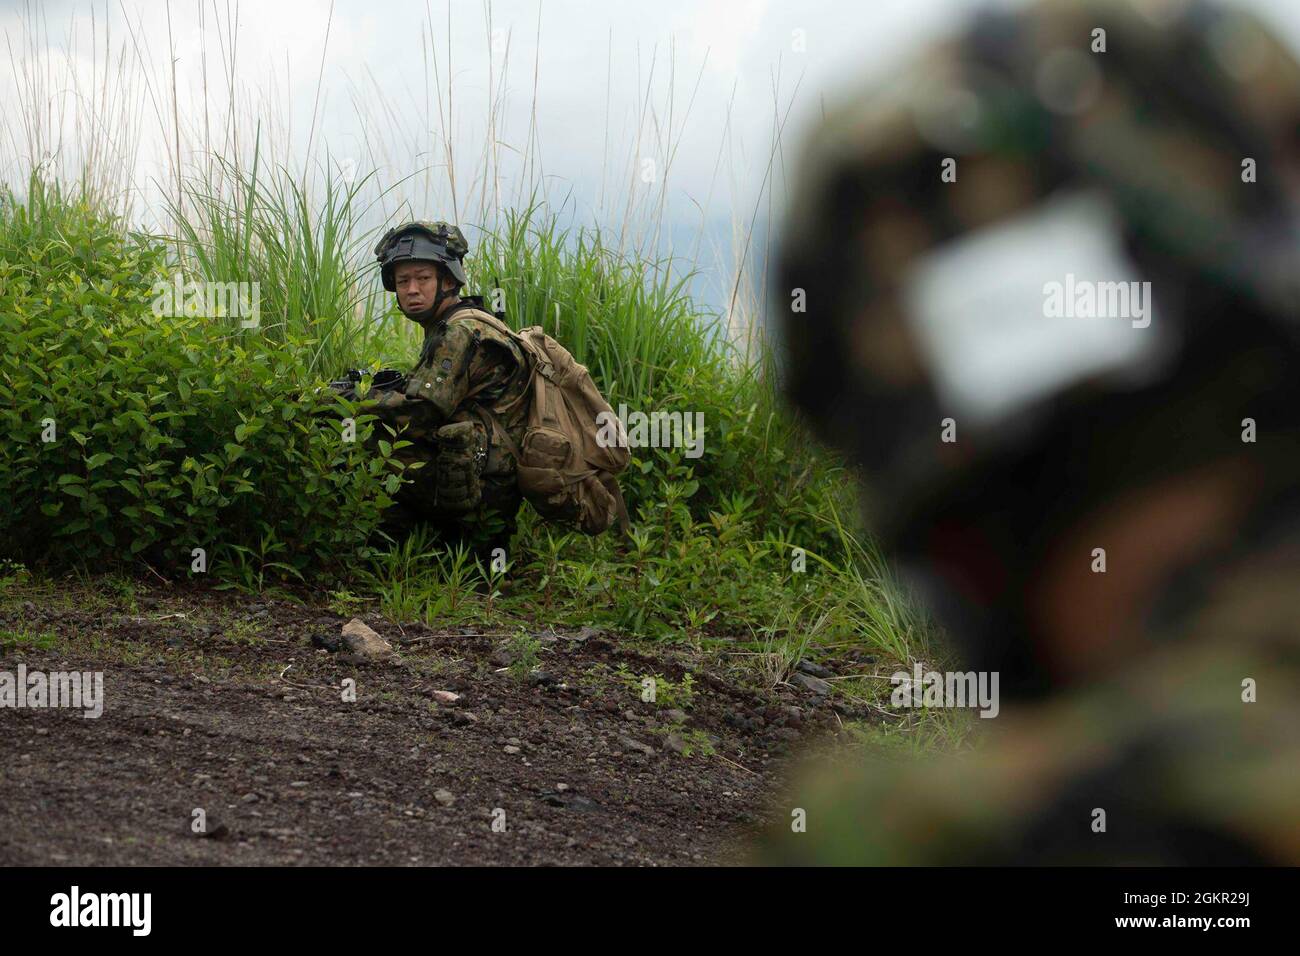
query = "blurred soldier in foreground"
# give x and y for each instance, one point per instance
(1051, 311)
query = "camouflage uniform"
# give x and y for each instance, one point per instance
(468, 387)
(463, 407)
(1186, 773)
(1152, 729)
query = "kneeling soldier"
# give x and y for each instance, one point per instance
(466, 401)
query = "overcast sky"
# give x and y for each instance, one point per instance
(750, 55)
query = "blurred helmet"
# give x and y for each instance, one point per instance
(1055, 256)
(437, 242)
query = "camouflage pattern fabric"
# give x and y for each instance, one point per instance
(1162, 121)
(1185, 771)
(456, 472)
(447, 246)
(465, 368)
(1187, 737)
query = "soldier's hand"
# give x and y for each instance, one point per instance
(387, 399)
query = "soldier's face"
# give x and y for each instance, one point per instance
(417, 285)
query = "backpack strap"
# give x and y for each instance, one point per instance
(494, 428)
(483, 315)
(624, 522)
(487, 318)
(541, 376)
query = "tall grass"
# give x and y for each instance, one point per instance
(145, 434)
(307, 255)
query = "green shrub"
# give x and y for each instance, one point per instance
(135, 434)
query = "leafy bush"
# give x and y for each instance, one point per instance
(134, 434)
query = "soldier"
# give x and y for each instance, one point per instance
(466, 401)
(1049, 275)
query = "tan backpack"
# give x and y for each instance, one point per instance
(563, 469)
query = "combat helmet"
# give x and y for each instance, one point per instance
(438, 242)
(936, 229)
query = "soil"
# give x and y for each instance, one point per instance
(228, 704)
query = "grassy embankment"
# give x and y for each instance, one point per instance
(137, 438)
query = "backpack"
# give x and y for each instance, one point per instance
(562, 469)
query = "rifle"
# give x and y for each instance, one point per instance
(386, 379)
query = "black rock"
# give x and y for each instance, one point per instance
(813, 668)
(808, 682)
(569, 801)
(219, 832)
(331, 642)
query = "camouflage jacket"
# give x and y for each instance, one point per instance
(1193, 754)
(465, 367)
